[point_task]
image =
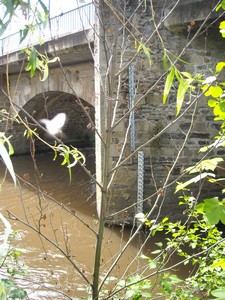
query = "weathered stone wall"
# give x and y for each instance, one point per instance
(151, 115)
(80, 76)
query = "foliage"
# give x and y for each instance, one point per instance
(38, 61)
(10, 266)
(221, 5)
(201, 167)
(213, 210)
(137, 288)
(67, 153)
(184, 80)
(142, 47)
(8, 290)
(199, 244)
(10, 9)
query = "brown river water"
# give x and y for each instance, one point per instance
(50, 275)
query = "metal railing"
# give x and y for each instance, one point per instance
(72, 21)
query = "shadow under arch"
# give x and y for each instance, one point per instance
(77, 131)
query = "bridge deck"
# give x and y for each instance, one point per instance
(66, 33)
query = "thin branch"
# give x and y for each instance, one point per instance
(160, 133)
(167, 269)
(59, 204)
(80, 272)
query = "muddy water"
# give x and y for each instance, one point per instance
(50, 274)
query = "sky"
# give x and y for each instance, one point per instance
(56, 8)
(60, 6)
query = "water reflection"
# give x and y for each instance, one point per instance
(51, 275)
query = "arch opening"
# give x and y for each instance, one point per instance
(77, 130)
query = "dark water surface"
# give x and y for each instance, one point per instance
(50, 274)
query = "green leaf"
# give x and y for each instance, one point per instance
(223, 4)
(207, 164)
(218, 7)
(43, 6)
(222, 215)
(211, 203)
(222, 28)
(182, 89)
(168, 84)
(186, 74)
(146, 295)
(219, 264)
(182, 186)
(222, 106)
(214, 91)
(33, 61)
(23, 34)
(218, 113)
(212, 103)
(218, 293)
(177, 74)
(55, 59)
(3, 295)
(159, 244)
(213, 210)
(212, 217)
(166, 284)
(45, 72)
(147, 53)
(156, 251)
(220, 66)
(165, 220)
(174, 278)
(204, 149)
(139, 48)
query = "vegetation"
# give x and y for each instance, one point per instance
(196, 240)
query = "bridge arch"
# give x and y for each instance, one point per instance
(77, 130)
(76, 79)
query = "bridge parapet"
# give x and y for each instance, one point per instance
(77, 20)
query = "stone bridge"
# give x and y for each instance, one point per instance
(70, 81)
(76, 78)
(61, 92)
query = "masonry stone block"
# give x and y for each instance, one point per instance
(160, 154)
(187, 11)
